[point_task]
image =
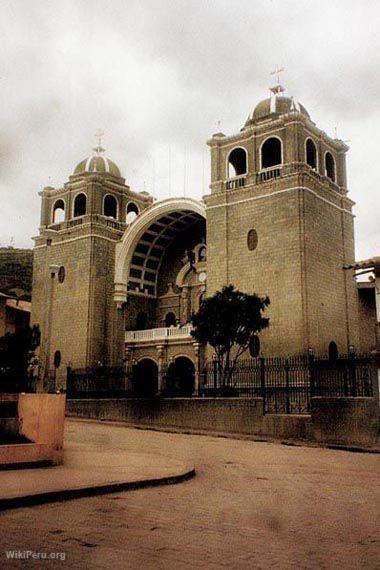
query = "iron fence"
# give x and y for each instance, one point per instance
(97, 382)
(285, 384)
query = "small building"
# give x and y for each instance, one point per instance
(14, 314)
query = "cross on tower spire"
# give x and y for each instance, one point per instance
(278, 88)
(98, 136)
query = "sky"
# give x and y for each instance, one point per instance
(159, 77)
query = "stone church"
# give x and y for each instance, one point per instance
(117, 274)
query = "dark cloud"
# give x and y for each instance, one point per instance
(158, 76)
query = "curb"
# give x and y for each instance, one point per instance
(91, 491)
(239, 436)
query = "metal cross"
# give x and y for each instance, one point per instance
(277, 70)
(98, 135)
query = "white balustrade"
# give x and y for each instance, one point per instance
(159, 333)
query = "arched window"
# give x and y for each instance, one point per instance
(170, 320)
(59, 212)
(202, 254)
(311, 154)
(271, 153)
(110, 206)
(330, 166)
(141, 321)
(80, 204)
(333, 350)
(131, 213)
(201, 298)
(237, 162)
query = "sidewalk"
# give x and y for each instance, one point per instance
(88, 470)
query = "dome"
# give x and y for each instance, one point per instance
(278, 105)
(98, 163)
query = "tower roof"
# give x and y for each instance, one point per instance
(97, 163)
(274, 106)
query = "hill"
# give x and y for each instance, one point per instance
(16, 267)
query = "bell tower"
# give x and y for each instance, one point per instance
(73, 273)
(280, 223)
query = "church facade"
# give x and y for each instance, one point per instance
(117, 275)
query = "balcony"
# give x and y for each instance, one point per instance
(268, 174)
(164, 333)
(236, 182)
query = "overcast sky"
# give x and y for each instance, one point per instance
(158, 75)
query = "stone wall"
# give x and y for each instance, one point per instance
(338, 421)
(346, 421)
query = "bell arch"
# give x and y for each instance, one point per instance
(140, 252)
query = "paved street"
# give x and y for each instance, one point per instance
(251, 505)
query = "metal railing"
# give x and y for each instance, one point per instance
(287, 384)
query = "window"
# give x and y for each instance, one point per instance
(132, 213)
(57, 359)
(252, 240)
(200, 300)
(80, 205)
(237, 162)
(333, 350)
(110, 206)
(61, 274)
(141, 321)
(330, 166)
(311, 154)
(170, 320)
(271, 153)
(254, 346)
(59, 212)
(202, 254)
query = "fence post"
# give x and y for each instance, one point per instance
(311, 374)
(287, 385)
(262, 380)
(215, 373)
(352, 373)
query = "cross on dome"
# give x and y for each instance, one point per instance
(98, 136)
(278, 88)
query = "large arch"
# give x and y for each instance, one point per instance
(140, 252)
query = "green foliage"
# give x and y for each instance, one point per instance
(227, 321)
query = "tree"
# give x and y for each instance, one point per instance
(17, 355)
(227, 321)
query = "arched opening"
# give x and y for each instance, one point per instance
(80, 205)
(131, 213)
(202, 254)
(271, 153)
(200, 300)
(330, 166)
(333, 350)
(311, 154)
(180, 377)
(58, 212)
(110, 206)
(237, 162)
(141, 321)
(145, 378)
(57, 359)
(170, 319)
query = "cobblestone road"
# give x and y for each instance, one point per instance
(251, 505)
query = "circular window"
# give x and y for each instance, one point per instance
(61, 274)
(202, 276)
(252, 240)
